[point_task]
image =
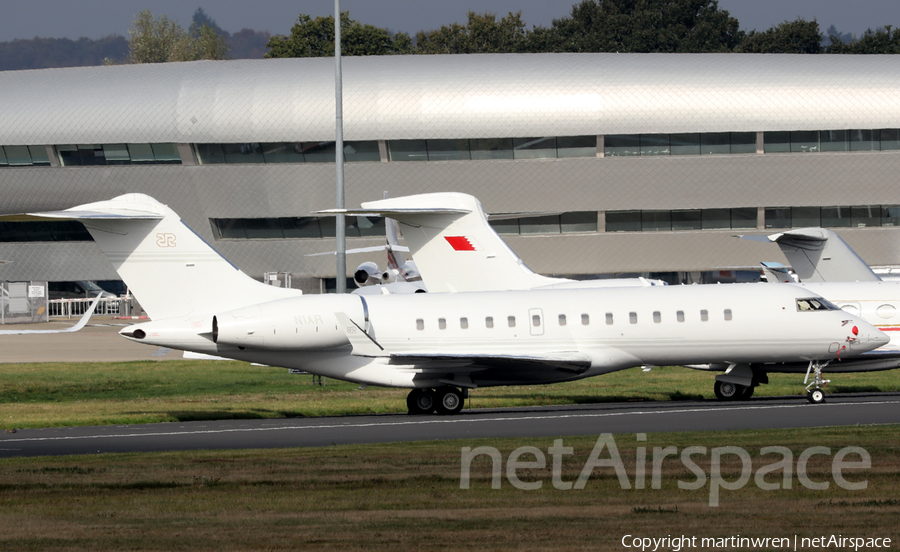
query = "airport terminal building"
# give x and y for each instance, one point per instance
(600, 163)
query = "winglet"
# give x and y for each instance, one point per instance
(363, 344)
(86, 316)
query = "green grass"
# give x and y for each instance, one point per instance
(408, 496)
(71, 394)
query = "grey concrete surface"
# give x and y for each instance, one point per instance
(99, 341)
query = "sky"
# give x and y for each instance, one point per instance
(98, 18)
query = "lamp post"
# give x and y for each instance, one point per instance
(339, 224)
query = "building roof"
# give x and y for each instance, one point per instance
(448, 96)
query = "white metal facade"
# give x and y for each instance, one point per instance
(448, 97)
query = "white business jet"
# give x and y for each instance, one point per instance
(440, 345)
(825, 265)
(81, 323)
(455, 248)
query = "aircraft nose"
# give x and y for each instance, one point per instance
(867, 335)
(881, 338)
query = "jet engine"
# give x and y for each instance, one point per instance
(367, 274)
(389, 276)
(294, 324)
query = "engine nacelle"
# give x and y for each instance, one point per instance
(295, 324)
(389, 276)
(367, 274)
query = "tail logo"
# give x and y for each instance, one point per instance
(461, 243)
(165, 240)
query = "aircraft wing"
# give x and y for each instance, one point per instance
(573, 362)
(81, 323)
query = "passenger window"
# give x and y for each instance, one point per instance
(420, 324)
(489, 322)
(442, 323)
(704, 315)
(463, 323)
(562, 319)
(632, 317)
(657, 318)
(511, 320)
(680, 316)
(609, 318)
(535, 320)
(727, 314)
(585, 319)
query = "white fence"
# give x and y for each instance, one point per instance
(67, 308)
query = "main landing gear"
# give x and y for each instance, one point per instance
(727, 391)
(443, 400)
(816, 395)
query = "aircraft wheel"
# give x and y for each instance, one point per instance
(816, 396)
(420, 401)
(726, 391)
(449, 400)
(748, 392)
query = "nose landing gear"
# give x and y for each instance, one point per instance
(816, 395)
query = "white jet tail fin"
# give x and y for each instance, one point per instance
(170, 269)
(820, 255)
(454, 247)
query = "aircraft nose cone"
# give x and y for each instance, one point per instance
(880, 338)
(869, 337)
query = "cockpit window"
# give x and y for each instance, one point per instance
(815, 304)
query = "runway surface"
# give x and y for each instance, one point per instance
(840, 410)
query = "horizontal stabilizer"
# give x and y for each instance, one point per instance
(392, 212)
(83, 215)
(372, 249)
(777, 273)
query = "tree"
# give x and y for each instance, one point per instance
(482, 34)
(159, 40)
(791, 37)
(248, 44)
(38, 53)
(315, 38)
(881, 41)
(200, 20)
(833, 35)
(640, 26)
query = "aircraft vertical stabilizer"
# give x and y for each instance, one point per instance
(463, 251)
(146, 241)
(820, 255)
